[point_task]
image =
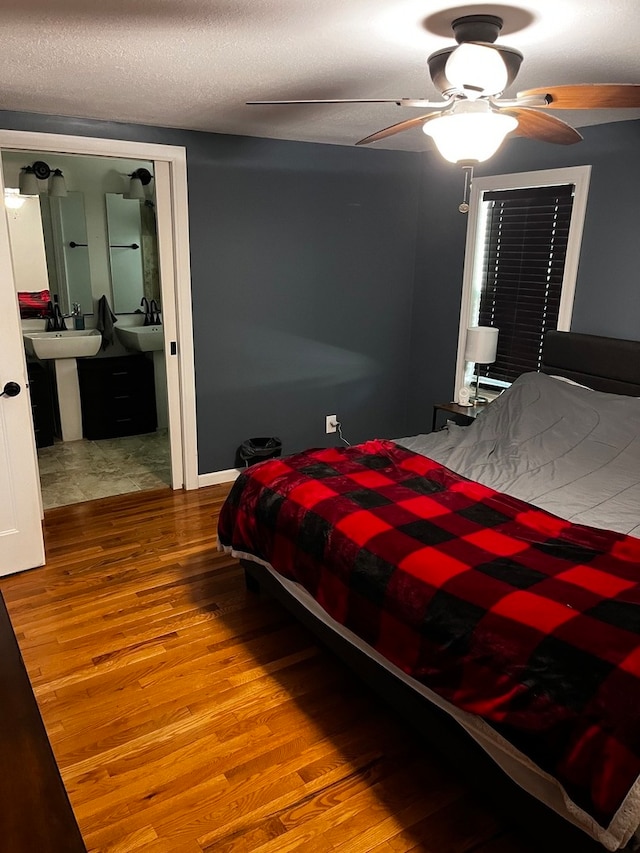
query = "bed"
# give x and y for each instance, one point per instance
(490, 571)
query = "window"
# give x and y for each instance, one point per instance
(523, 244)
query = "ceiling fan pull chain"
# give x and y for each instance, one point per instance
(463, 207)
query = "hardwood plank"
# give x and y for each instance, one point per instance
(187, 714)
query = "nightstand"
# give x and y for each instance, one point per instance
(464, 415)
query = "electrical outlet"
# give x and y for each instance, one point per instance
(330, 423)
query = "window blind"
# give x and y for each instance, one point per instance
(522, 271)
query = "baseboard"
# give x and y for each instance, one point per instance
(217, 477)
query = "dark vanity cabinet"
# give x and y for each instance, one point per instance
(117, 396)
(41, 391)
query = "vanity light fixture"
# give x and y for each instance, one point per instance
(57, 185)
(138, 181)
(27, 182)
(41, 171)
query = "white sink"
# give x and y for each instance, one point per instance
(64, 348)
(141, 338)
(73, 343)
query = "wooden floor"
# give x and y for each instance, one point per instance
(187, 714)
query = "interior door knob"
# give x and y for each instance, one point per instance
(11, 389)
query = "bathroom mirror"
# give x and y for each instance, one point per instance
(133, 256)
(125, 252)
(41, 233)
(64, 229)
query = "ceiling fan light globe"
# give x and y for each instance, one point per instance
(476, 70)
(471, 133)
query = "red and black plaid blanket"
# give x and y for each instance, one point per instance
(505, 610)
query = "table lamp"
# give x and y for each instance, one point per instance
(481, 348)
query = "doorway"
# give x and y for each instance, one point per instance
(91, 240)
(169, 168)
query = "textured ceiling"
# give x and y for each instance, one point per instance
(193, 63)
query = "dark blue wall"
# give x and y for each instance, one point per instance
(327, 279)
(303, 265)
(607, 300)
(302, 261)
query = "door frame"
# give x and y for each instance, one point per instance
(170, 175)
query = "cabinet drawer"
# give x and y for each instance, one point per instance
(42, 403)
(117, 396)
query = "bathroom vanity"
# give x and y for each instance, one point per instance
(117, 396)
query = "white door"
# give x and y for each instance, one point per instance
(21, 541)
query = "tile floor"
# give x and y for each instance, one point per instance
(75, 471)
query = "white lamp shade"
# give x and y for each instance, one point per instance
(476, 70)
(482, 344)
(57, 185)
(136, 190)
(471, 133)
(28, 182)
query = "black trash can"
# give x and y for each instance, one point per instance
(254, 450)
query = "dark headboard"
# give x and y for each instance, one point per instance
(604, 364)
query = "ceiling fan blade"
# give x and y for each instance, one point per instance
(397, 128)
(336, 101)
(546, 128)
(400, 102)
(589, 96)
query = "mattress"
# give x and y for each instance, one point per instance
(565, 448)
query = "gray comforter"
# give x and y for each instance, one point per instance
(570, 450)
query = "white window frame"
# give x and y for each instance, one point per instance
(578, 176)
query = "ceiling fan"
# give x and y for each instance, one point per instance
(470, 123)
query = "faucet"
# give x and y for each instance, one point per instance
(60, 319)
(148, 318)
(50, 327)
(55, 321)
(155, 313)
